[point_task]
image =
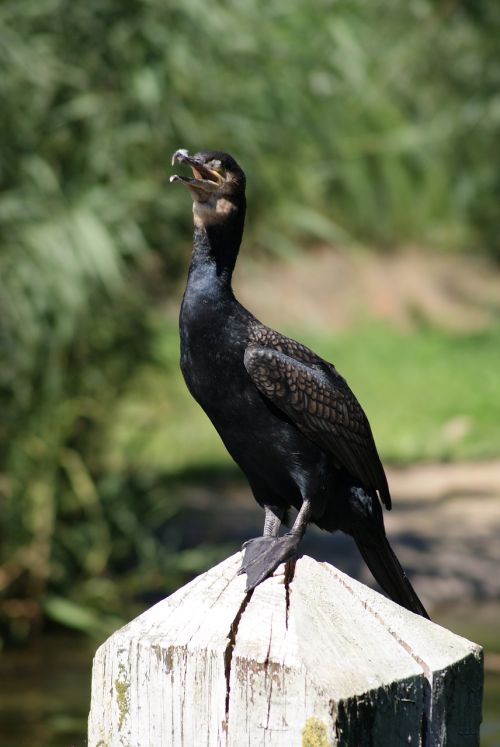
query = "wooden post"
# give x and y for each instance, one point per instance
(321, 660)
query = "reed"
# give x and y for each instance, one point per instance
(355, 121)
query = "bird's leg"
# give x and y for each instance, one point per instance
(263, 555)
(254, 548)
(302, 520)
(272, 521)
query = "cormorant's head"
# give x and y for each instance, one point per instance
(217, 185)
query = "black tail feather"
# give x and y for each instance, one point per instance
(387, 571)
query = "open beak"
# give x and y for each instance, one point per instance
(203, 179)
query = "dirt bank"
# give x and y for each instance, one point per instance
(445, 528)
(336, 288)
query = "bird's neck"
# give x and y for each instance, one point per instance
(215, 250)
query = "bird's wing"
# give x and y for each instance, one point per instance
(318, 400)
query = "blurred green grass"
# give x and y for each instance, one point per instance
(356, 122)
(429, 394)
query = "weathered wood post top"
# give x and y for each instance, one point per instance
(319, 660)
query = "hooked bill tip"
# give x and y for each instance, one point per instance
(180, 153)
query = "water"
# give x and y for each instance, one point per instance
(45, 688)
(45, 692)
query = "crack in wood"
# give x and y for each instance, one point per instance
(424, 720)
(266, 665)
(289, 574)
(228, 653)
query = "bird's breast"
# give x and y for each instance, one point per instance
(212, 355)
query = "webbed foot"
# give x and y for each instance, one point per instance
(263, 555)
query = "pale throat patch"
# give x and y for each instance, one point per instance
(210, 212)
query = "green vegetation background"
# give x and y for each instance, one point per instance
(356, 122)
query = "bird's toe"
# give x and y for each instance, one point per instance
(253, 550)
(264, 554)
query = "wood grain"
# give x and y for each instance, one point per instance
(321, 660)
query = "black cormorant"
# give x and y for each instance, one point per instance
(286, 416)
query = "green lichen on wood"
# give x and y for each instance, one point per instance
(314, 734)
(122, 697)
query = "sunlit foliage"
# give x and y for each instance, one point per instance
(355, 121)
